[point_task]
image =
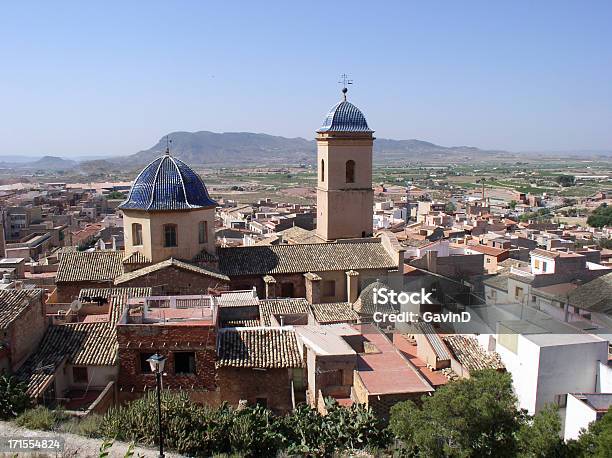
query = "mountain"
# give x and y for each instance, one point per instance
(230, 147)
(250, 148)
(48, 163)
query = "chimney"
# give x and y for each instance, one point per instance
(313, 288)
(352, 286)
(270, 283)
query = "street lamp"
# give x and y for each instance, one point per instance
(157, 363)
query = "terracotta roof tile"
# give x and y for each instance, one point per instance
(470, 354)
(78, 266)
(258, 348)
(317, 257)
(269, 307)
(83, 344)
(336, 312)
(14, 301)
(136, 258)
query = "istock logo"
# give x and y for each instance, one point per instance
(384, 296)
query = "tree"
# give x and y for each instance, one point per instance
(565, 180)
(601, 216)
(513, 204)
(596, 441)
(473, 417)
(450, 207)
(13, 397)
(539, 435)
(604, 243)
(116, 195)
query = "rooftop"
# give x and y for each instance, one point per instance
(85, 344)
(600, 402)
(167, 183)
(14, 301)
(387, 371)
(470, 354)
(291, 306)
(335, 312)
(77, 266)
(345, 117)
(262, 348)
(323, 341)
(317, 257)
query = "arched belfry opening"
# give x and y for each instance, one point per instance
(350, 171)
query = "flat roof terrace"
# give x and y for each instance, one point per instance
(383, 369)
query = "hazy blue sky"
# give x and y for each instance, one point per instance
(113, 77)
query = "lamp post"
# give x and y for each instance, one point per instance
(157, 365)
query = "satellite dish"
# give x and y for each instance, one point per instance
(76, 305)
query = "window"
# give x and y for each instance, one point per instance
(286, 289)
(203, 231)
(136, 234)
(79, 374)
(329, 288)
(561, 400)
(145, 367)
(322, 170)
(350, 171)
(518, 292)
(543, 266)
(169, 235)
(184, 363)
(536, 263)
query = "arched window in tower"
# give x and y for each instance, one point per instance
(170, 238)
(322, 170)
(350, 171)
(136, 234)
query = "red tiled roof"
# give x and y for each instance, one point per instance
(488, 250)
(387, 371)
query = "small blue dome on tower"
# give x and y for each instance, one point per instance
(167, 183)
(345, 117)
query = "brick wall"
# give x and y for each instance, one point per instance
(174, 281)
(26, 332)
(134, 339)
(245, 383)
(66, 292)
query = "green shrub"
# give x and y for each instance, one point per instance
(88, 426)
(197, 430)
(13, 397)
(41, 418)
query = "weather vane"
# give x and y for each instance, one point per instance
(345, 81)
(168, 141)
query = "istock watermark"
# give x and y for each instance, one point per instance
(386, 296)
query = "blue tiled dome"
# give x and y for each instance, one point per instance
(167, 184)
(345, 117)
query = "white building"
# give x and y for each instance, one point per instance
(545, 367)
(583, 409)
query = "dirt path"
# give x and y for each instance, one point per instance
(75, 446)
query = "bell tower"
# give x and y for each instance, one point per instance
(344, 182)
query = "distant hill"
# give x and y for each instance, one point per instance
(50, 163)
(250, 148)
(230, 147)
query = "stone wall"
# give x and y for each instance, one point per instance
(273, 385)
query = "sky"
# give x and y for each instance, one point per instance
(111, 78)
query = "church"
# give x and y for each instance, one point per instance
(169, 220)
